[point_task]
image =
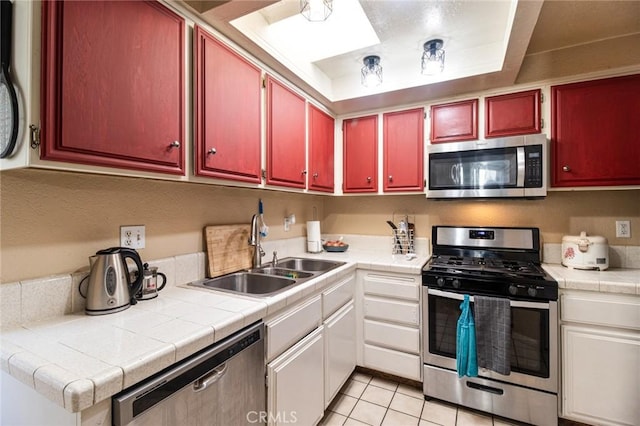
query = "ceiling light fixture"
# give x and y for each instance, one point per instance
(372, 71)
(433, 57)
(316, 10)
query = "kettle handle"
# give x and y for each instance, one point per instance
(134, 287)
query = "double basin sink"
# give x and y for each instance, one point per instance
(269, 280)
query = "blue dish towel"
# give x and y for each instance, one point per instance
(466, 360)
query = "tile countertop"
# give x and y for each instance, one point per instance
(612, 280)
(77, 360)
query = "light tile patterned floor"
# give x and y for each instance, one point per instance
(368, 400)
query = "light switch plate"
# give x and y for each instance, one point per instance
(132, 236)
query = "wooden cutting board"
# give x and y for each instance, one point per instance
(228, 248)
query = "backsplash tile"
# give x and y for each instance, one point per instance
(10, 305)
(46, 297)
(632, 259)
(189, 267)
(79, 302)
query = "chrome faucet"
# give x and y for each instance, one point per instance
(254, 240)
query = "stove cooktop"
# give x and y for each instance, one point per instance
(499, 262)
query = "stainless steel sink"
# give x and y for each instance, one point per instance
(247, 283)
(281, 272)
(303, 264)
(269, 280)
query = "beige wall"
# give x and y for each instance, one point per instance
(560, 213)
(51, 222)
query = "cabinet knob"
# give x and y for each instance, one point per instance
(566, 168)
(369, 179)
(174, 144)
(390, 178)
(212, 151)
(304, 172)
(315, 175)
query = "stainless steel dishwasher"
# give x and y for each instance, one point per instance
(220, 385)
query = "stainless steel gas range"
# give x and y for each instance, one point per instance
(503, 263)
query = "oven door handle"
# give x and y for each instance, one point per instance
(513, 303)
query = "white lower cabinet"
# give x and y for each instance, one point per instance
(600, 358)
(295, 380)
(340, 350)
(389, 323)
(311, 352)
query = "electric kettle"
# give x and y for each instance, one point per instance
(110, 289)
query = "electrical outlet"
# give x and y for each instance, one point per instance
(132, 236)
(623, 229)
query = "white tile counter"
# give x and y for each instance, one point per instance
(76, 360)
(612, 280)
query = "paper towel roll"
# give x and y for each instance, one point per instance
(314, 240)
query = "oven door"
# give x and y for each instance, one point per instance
(534, 355)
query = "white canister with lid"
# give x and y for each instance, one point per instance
(585, 252)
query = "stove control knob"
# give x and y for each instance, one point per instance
(513, 290)
(456, 283)
(440, 281)
(532, 291)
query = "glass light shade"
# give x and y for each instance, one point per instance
(371, 72)
(433, 57)
(316, 10)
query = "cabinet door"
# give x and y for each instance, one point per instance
(403, 150)
(595, 133)
(454, 122)
(512, 114)
(113, 85)
(600, 375)
(321, 142)
(340, 350)
(285, 136)
(360, 146)
(227, 115)
(296, 383)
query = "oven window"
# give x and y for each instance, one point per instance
(529, 335)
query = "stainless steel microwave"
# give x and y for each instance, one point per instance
(513, 167)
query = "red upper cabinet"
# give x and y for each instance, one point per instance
(512, 114)
(360, 146)
(227, 115)
(595, 133)
(454, 122)
(113, 85)
(321, 142)
(285, 136)
(403, 150)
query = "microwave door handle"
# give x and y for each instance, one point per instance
(455, 174)
(520, 159)
(513, 303)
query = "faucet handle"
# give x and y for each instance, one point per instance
(274, 261)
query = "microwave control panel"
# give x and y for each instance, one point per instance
(533, 166)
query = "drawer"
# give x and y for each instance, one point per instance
(392, 336)
(393, 362)
(286, 329)
(392, 310)
(337, 296)
(610, 310)
(398, 287)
